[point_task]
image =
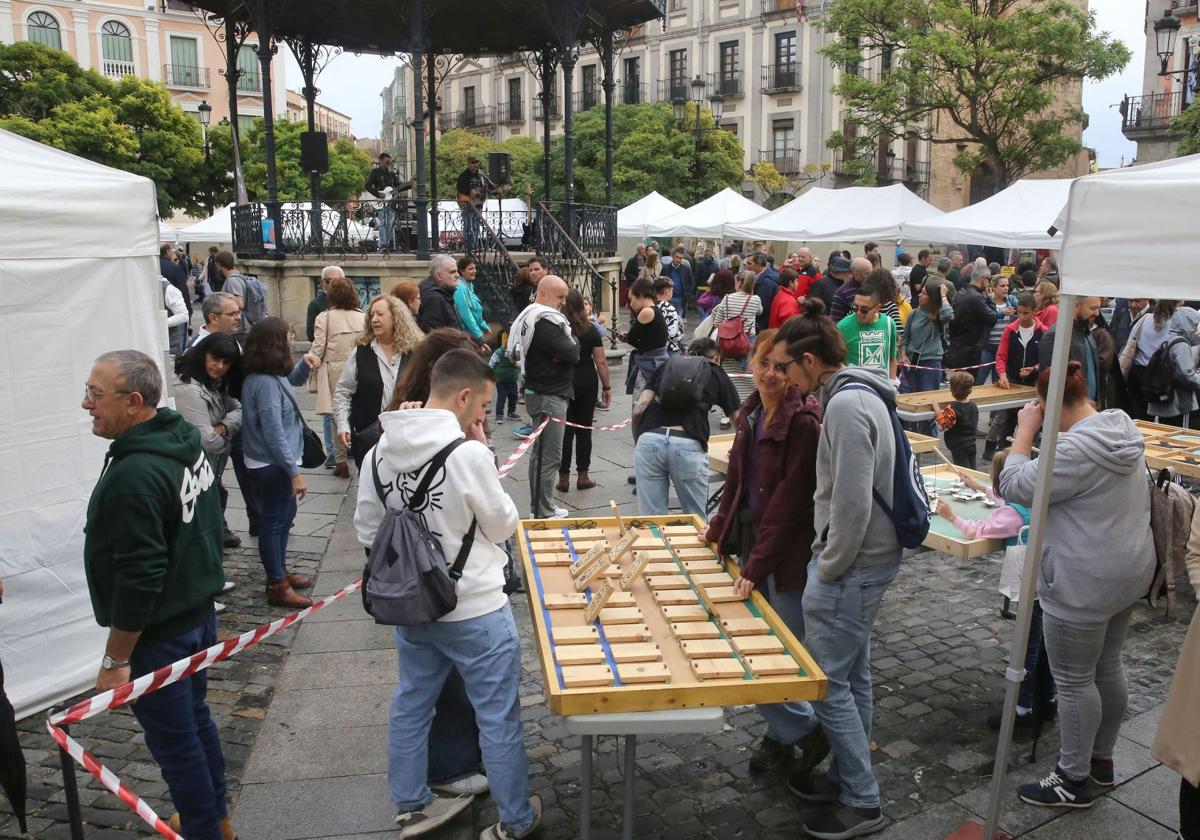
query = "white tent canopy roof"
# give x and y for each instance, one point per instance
(1114, 220)
(1016, 217)
(852, 214)
(649, 209)
(711, 218)
(216, 228)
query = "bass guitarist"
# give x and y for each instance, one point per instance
(383, 183)
(472, 193)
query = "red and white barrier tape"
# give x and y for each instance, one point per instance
(947, 369)
(151, 682)
(622, 425)
(522, 448)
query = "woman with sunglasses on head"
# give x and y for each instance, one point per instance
(766, 519)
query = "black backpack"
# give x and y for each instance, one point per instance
(683, 381)
(1158, 382)
(406, 580)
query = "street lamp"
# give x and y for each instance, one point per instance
(1166, 28)
(205, 111)
(716, 104)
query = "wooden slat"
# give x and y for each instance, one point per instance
(578, 676)
(661, 568)
(771, 664)
(757, 645)
(579, 655)
(745, 626)
(686, 612)
(644, 672)
(700, 567)
(667, 597)
(722, 594)
(679, 530)
(696, 554)
(706, 648)
(564, 600)
(717, 669)
(707, 579)
(616, 633)
(657, 582)
(695, 630)
(636, 652)
(550, 558)
(574, 635)
(621, 615)
(692, 541)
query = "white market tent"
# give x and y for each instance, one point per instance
(100, 287)
(711, 218)
(166, 232)
(1111, 221)
(1016, 217)
(649, 209)
(850, 214)
(216, 228)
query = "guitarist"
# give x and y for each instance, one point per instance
(472, 192)
(384, 183)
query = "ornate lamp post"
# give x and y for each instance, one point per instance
(716, 103)
(1166, 29)
(205, 111)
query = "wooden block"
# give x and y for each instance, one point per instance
(686, 612)
(706, 648)
(662, 555)
(636, 652)
(722, 594)
(587, 574)
(544, 534)
(564, 600)
(622, 599)
(661, 568)
(658, 582)
(586, 559)
(669, 597)
(621, 615)
(648, 541)
(745, 626)
(550, 558)
(644, 672)
(599, 600)
(623, 545)
(579, 676)
(701, 567)
(707, 579)
(574, 635)
(579, 655)
(618, 633)
(695, 630)
(577, 534)
(717, 669)
(694, 541)
(586, 545)
(636, 569)
(556, 547)
(612, 503)
(613, 572)
(757, 645)
(679, 530)
(772, 664)
(695, 554)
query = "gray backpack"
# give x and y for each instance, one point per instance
(255, 300)
(406, 580)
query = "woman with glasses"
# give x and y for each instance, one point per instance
(1005, 305)
(766, 519)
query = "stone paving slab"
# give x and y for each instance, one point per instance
(312, 808)
(342, 636)
(1106, 820)
(323, 708)
(283, 753)
(337, 670)
(1154, 792)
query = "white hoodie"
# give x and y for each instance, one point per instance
(468, 487)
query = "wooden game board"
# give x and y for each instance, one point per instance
(1171, 447)
(719, 446)
(677, 639)
(943, 536)
(984, 396)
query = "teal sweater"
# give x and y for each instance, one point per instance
(470, 310)
(153, 538)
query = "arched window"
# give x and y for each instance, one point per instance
(42, 28)
(116, 45)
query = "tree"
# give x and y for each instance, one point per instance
(981, 74)
(131, 124)
(780, 188)
(348, 165)
(1189, 123)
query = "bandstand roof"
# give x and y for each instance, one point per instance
(451, 26)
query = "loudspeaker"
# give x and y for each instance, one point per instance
(314, 151)
(499, 168)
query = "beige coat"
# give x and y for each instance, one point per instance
(335, 337)
(1177, 744)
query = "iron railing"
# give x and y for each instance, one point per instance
(671, 89)
(727, 83)
(588, 98)
(1152, 112)
(511, 113)
(777, 7)
(481, 116)
(570, 255)
(780, 78)
(250, 82)
(785, 161)
(887, 170)
(632, 92)
(495, 269)
(183, 75)
(539, 109)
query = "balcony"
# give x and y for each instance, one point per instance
(587, 99)
(786, 161)
(632, 92)
(891, 170)
(781, 78)
(539, 110)
(182, 75)
(1149, 114)
(671, 89)
(479, 117)
(727, 83)
(511, 113)
(770, 8)
(249, 82)
(117, 70)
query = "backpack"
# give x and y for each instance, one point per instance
(1171, 510)
(1158, 382)
(732, 339)
(910, 508)
(256, 300)
(406, 581)
(683, 381)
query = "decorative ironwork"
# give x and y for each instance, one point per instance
(181, 75)
(781, 78)
(727, 83)
(511, 112)
(495, 269)
(632, 91)
(785, 161)
(479, 117)
(1152, 112)
(595, 235)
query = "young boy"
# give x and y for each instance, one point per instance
(506, 380)
(959, 419)
(1016, 364)
(664, 289)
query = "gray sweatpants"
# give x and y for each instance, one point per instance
(546, 452)
(1085, 660)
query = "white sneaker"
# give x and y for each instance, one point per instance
(470, 786)
(500, 832)
(229, 585)
(218, 607)
(438, 812)
(724, 422)
(560, 513)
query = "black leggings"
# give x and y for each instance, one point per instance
(1189, 811)
(581, 410)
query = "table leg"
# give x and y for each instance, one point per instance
(585, 790)
(630, 772)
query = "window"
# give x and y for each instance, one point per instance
(469, 105)
(678, 73)
(731, 127)
(514, 99)
(676, 5)
(42, 28)
(631, 86)
(247, 62)
(590, 98)
(783, 137)
(184, 68)
(729, 68)
(785, 48)
(116, 46)
(245, 123)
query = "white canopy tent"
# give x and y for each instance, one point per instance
(166, 232)
(1110, 222)
(633, 219)
(216, 228)
(98, 286)
(851, 214)
(711, 218)
(1016, 217)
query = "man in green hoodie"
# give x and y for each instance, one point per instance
(152, 553)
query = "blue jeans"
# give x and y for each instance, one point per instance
(327, 433)
(922, 380)
(273, 487)
(1034, 651)
(470, 229)
(659, 459)
(987, 357)
(238, 457)
(387, 226)
(787, 723)
(487, 652)
(180, 733)
(454, 736)
(838, 618)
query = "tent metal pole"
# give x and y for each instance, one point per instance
(1015, 672)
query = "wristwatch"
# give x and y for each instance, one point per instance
(110, 664)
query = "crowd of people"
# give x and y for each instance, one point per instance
(807, 367)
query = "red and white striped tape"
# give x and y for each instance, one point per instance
(522, 448)
(622, 425)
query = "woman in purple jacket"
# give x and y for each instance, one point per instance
(766, 519)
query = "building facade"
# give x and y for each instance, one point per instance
(761, 56)
(394, 131)
(1146, 115)
(334, 123)
(160, 40)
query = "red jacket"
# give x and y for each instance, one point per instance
(787, 470)
(783, 306)
(1010, 349)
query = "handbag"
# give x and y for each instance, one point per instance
(731, 335)
(1013, 568)
(313, 454)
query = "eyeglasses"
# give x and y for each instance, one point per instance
(91, 394)
(779, 367)
(865, 310)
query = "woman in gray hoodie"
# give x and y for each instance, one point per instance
(1097, 562)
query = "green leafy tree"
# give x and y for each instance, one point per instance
(1189, 123)
(984, 72)
(348, 166)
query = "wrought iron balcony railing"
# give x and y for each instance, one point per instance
(781, 78)
(786, 161)
(511, 113)
(728, 83)
(671, 89)
(632, 92)
(481, 116)
(183, 75)
(539, 109)
(1152, 112)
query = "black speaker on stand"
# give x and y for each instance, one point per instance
(500, 174)
(314, 151)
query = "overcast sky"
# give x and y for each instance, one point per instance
(351, 84)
